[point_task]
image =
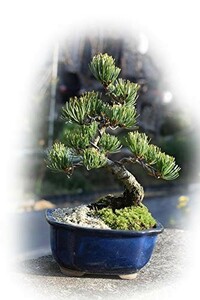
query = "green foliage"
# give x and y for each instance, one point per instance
(109, 143)
(137, 143)
(92, 158)
(122, 116)
(76, 140)
(166, 166)
(128, 218)
(151, 154)
(124, 92)
(103, 68)
(162, 165)
(60, 158)
(80, 136)
(81, 110)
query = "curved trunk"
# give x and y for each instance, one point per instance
(134, 192)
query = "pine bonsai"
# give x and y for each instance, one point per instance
(88, 143)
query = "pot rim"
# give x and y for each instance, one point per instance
(51, 220)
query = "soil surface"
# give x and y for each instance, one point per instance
(79, 216)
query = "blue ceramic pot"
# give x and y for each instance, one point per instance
(79, 250)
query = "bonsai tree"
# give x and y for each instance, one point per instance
(90, 143)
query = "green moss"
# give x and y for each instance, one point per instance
(128, 218)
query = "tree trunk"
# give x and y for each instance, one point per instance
(134, 192)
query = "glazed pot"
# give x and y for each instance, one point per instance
(80, 250)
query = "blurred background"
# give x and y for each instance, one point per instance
(170, 125)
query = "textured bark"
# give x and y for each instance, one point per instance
(134, 192)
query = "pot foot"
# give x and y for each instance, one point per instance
(71, 273)
(128, 276)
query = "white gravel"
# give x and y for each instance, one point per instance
(80, 215)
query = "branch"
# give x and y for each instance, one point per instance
(151, 170)
(125, 160)
(100, 133)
